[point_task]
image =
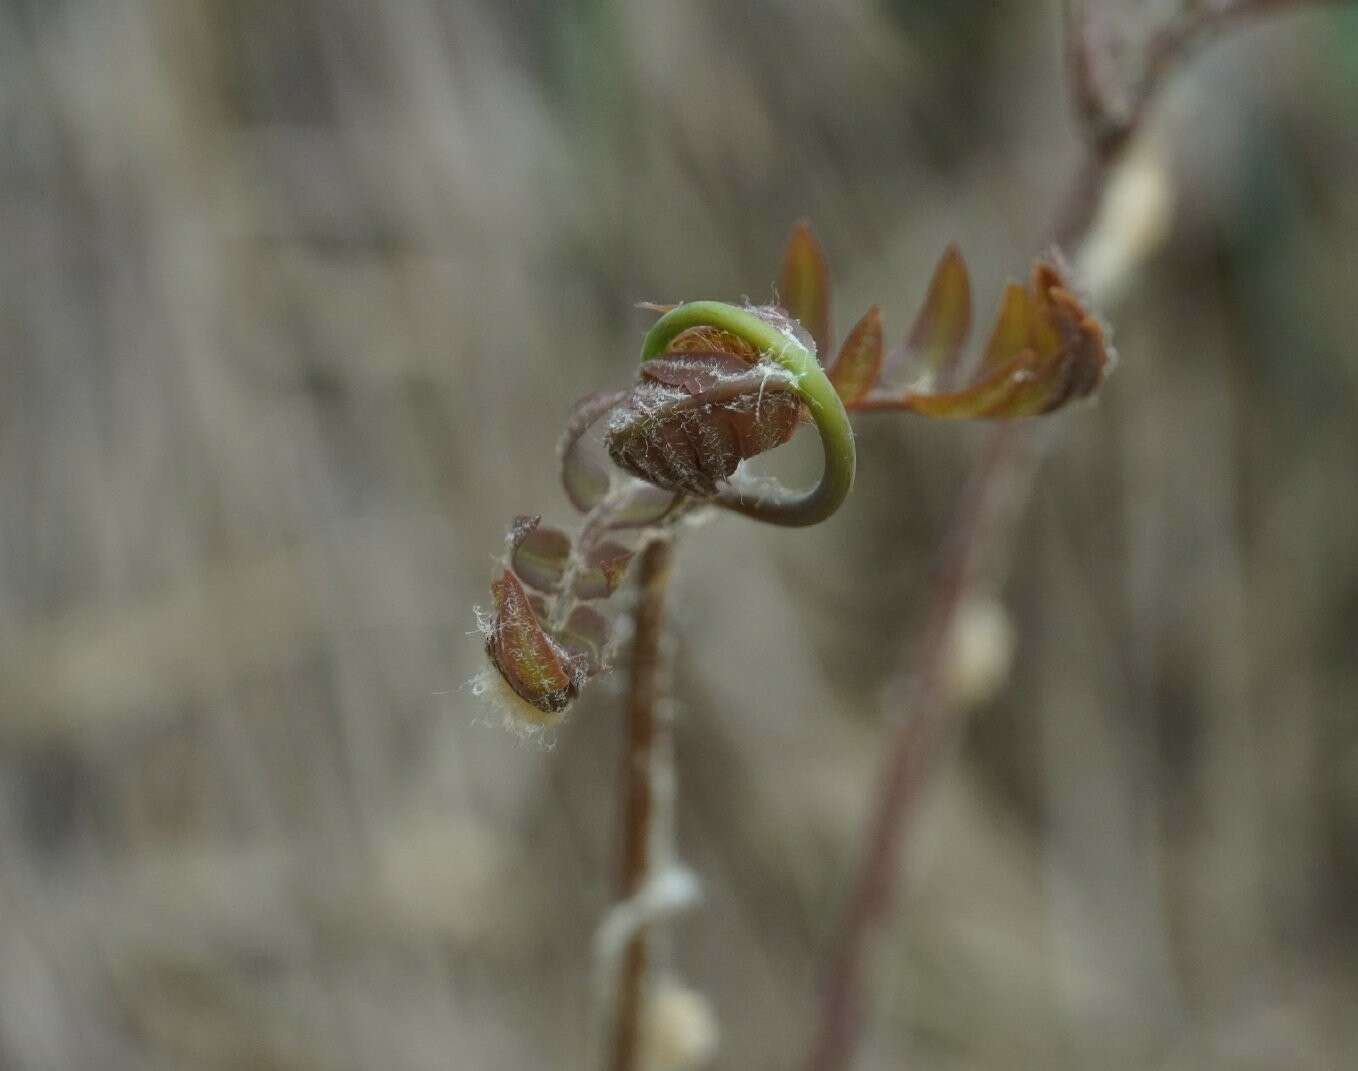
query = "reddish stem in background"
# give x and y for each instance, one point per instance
(921, 738)
(918, 741)
(1110, 120)
(1109, 123)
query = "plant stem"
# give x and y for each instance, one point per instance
(1109, 121)
(920, 740)
(643, 692)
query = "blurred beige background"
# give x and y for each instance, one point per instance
(294, 297)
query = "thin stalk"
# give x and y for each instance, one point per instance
(919, 742)
(1110, 121)
(921, 739)
(639, 792)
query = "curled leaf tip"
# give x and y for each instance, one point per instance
(538, 554)
(694, 416)
(585, 636)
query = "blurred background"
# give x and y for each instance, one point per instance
(294, 298)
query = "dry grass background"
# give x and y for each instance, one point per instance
(294, 295)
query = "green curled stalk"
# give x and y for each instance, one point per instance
(809, 383)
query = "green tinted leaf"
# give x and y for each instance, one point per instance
(859, 363)
(1010, 336)
(804, 286)
(1045, 351)
(531, 664)
(945, 318)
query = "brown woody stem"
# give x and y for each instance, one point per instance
(643, 693)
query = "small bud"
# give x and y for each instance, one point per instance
(678, 1028)
(980, 651)
(669, 434)
(1134, 219)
